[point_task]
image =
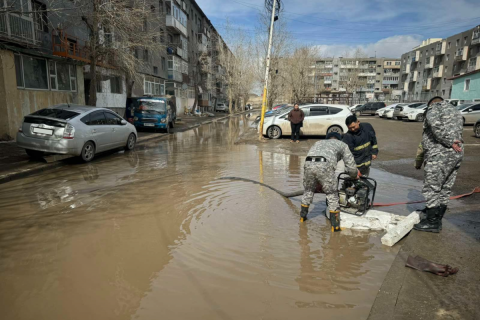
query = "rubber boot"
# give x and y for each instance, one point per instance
(335, 220)
(441, 213)
(431, 224)
(303, 213)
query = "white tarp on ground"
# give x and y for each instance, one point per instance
(396, 226)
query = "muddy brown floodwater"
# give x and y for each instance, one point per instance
(153, 234)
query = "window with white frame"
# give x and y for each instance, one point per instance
(40, 74)
(153, 86)
(467, 85)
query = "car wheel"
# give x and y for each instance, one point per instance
(34, 154)
(399, 118)
(274, 132)
(419, 118)
(88, 151)
(477, 130)
(357, 113)
(131, 142)
(336, 129)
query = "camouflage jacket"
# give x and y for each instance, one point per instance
(442, 126)
(333, 151)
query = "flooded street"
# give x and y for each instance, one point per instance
(153, 234)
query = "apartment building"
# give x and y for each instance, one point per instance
(427, 68)
(377, 77)
(47, 54)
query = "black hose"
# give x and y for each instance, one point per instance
(285, 194)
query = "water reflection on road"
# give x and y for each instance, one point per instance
(153, 234)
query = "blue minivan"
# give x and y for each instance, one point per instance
(151, 112)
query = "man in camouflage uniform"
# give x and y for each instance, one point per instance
(442, 143)
(320, 168)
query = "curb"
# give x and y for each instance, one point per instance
(29, 172)
(50, 166)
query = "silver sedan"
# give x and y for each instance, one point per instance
(75, 130)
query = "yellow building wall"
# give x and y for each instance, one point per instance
(16, 103)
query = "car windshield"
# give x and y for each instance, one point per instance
(56, 113)
(463, 106)
(151, 106)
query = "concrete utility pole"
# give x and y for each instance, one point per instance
(267, 71)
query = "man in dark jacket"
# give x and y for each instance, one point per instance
(296, 117)
(362, 141)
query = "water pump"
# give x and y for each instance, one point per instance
(356, 196)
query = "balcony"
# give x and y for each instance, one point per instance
(175, 75)
(385, 82)
(327, 81)
(414, 60)
(66, 46)
(461, 54)
(328, 66)
(17, 28)
(427, 84)
(438, 72)
(475, 38)
(440, 48)
(175, 26)
(367, 74)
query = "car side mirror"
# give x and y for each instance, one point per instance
(123, 122)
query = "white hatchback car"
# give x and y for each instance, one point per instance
(470, 112)
(417, 114)
(320, 119)
(380, 112)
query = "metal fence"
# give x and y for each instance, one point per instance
(17, 27)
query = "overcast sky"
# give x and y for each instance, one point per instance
(386, 28)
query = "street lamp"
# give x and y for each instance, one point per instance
(273, 6)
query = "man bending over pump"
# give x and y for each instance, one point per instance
(320, 168)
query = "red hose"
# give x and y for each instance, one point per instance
(476, 190)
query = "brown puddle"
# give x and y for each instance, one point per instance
(154, 235)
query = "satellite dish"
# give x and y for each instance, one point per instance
(184, 86)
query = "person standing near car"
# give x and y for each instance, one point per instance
(362, 141)
(442, 143)
(296, 117)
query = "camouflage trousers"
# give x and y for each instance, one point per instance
(440, 174)
(320, 173)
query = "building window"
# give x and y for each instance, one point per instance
(446, 59)
(160, 6)
(446, 69)
(444, 80)
(465, 41)
(397, 63)
(40, 16)
(448, 46)
(155, 70)
(31, 72)
(467, 85)
(115, 85)
(164, 64)
(457, 43)
(152, 9)
(145, 55)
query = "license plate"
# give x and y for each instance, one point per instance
(149, 124)
(43, 131)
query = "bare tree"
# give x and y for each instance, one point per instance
(351, 79)
(281, 40)
(300, 72)
(238, 61)
(123, 35)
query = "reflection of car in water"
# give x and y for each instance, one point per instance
(96, 177)
(151, 112)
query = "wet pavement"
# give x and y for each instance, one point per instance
(154, 234)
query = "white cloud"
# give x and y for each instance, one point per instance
(391, 47)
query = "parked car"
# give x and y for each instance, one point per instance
(151, 112)
(352, 108)
(417, 114)
(279, 106)
(388, 113)
(470, 112)
(401, 111)
(380, 111)
(476, 129)
(320, 119)
(272, 113)
(221, 107)
(369, 108)
(74, 130)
